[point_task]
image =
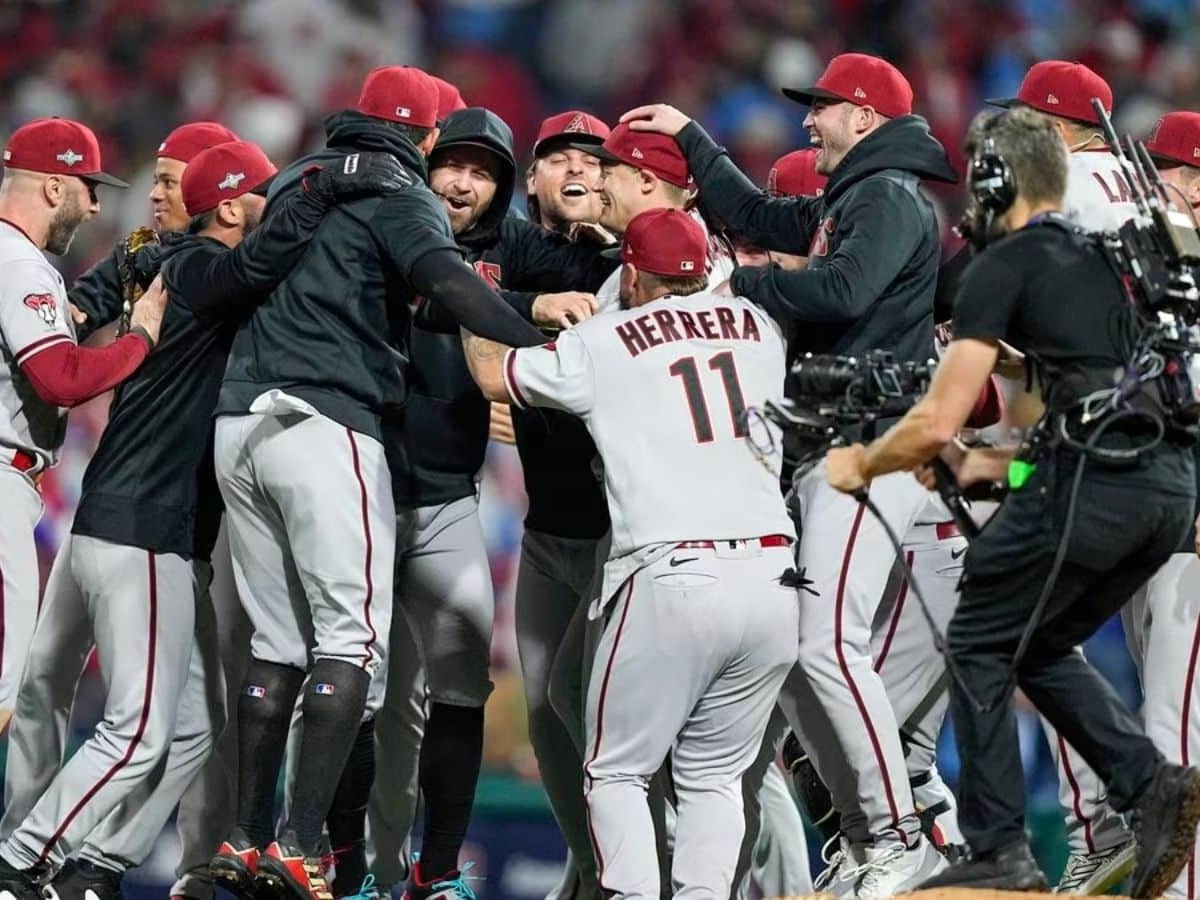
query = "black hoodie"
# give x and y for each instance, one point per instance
(325, 335)
(437, 442)
(871, 239)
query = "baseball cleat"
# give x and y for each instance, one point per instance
(451, 886)
(368, 890)
(1011, 868)
(896, 869)
(1164, 827)
(83, 880)
(19, 884)
(841, 867)
(1094, 873)
(285, 869)
(235, 864)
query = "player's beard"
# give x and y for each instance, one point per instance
(63, 225)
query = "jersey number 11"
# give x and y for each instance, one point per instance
(688, 372)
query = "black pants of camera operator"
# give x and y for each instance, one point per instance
(1127, 523)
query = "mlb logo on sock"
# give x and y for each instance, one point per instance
(323, 688)
(254, 690)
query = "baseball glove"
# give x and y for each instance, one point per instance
(137, 265)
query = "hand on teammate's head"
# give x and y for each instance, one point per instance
(656, 117)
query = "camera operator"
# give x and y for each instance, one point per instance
(872, 244)
(1089, 519)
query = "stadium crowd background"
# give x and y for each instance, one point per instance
(272, 69)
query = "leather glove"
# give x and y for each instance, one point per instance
(354, 176)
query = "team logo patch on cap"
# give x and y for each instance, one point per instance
(256, 691)
(576, 125)
(1051, 99)
(404, 112)
(231, 181)
(1196, 153)
(324, 688)
(860, 93)
(687, 265)
(70, 157)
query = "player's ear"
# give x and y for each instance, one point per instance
(529, 189)
(649, 181)
(229, 214)
(1193, 191)
(54, 191)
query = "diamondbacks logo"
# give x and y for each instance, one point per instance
(69, 157)
(820, 241)
(45, 306)
(231, 181)
(577, 125)
(489, 272)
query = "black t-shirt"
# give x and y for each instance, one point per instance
(1049, 292)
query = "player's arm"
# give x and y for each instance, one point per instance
(541, 261)
(221, 283)
(785, 224)
(65, 374)
(98, 294)
(558, 375)
(881, 229)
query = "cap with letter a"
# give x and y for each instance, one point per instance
(1176, 139)
(400, 94)
(795, 175)
(574, 126)
(58, 147)
(664, 242)
(224, 172)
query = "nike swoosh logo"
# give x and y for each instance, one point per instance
(676, 561)
(955, 554)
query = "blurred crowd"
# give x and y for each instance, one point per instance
(272, 69)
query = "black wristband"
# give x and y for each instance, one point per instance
(141, 330)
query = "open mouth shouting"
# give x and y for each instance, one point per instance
(575, 190)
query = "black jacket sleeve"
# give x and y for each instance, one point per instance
(878, 231)
(540, 261)
(97, 292)
(786, 224)
(443, 278)
(437, 318)
(221, 284)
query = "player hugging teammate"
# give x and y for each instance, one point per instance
(315, 364)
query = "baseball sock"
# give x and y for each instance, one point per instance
(333, 704)
(347, 819)
(264, 714)
(451, 754)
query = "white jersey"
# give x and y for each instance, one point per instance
(33, 316)
(663, 389)
(1098, 196)
(721, 263)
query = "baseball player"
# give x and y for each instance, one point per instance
(299, 429)
(1097, 199)
(567, 516)
(863, 289)
(435, 449)
(688, 666)
(206, 809)
(52, 167)
(149, 509)
(1162, 621)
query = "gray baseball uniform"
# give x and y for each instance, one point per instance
(1162, 627)
(699, 630)
(33, 316)
(104, 592)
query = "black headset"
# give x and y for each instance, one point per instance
(993, 185)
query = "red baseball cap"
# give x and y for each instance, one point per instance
(1176, 139)
(400, 94)
(449, 98)
(647, 150)
(187, 140)
(1063, 89)
(863, 80)
(58, 147)
(664, 242)
(795, 175)
(224, 172)
(580, 126)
